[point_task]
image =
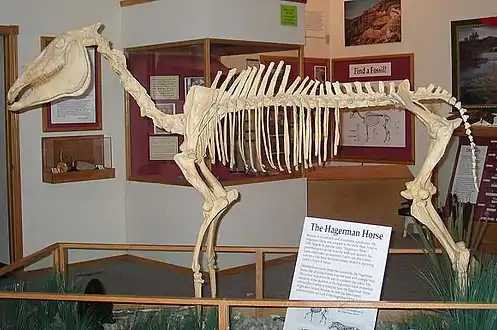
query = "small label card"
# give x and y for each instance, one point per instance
(338, 260)
(370, 70)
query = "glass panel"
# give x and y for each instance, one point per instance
(278, 275)
(168, 273)
(76, 153)
(37, 277)
(122, 271)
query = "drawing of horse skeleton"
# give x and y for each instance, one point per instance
(213, 115)
(371, 120)
(341, 326)
(321, 311)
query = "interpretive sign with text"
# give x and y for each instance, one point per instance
(338, 260)
(289, 15)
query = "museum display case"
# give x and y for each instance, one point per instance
(167, 71)
(76, 158)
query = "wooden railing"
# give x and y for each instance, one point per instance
(224, 305)
(30, 260)
(260, 252)
(59, 252)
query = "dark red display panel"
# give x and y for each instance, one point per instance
(402, 66)
(142, 66)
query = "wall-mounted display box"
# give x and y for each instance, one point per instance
(77, 158)
(167, 71)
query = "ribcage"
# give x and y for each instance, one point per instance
(270, 137)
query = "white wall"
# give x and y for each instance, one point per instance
(166, 21)
(268, 214)
(426, 33)
(317, 43)
(4, 203)
(86, 211)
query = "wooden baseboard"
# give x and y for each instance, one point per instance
(126, 3)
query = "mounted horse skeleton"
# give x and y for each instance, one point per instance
(214, 117)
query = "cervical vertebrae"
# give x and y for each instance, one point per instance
(214, 117)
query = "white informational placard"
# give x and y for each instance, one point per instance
(463, 185)
(370, 70)
(164, 87)
(338, 260)
(163, 147)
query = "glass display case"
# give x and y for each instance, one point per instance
(167, 71)
(76, 158)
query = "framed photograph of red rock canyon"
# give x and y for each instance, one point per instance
(369, 22)
(474, 62)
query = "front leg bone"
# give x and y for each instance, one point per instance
(222, 200)
(186, 163)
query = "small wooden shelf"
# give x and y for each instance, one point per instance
(126, 3)
(62, 156)
(483, 131)
(75, 176)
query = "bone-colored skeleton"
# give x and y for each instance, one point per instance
(213, 119)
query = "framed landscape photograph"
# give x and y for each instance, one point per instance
(378, 135)
(474, 62)
(369, 22)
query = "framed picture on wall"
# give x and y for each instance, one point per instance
(320, 73)
(369, 22)
(82, 113)
(474, 62)
(167, 108)
(193, 81)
